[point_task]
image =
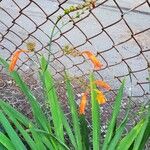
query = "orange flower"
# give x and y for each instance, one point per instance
(97, 64)
(14, 59)
(100, 97)
(102, 84)
(83, 104)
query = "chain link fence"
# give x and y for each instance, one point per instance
(117, 32)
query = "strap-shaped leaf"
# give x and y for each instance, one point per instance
(16, 141)
(115, 113)
(6, 142)
(37, 111)
(128, 140)
(95, 116)
(74, 112)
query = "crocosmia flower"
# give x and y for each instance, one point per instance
(83, 104)
(100, 97)
(14, 59)
(97, 64)
(102, 84)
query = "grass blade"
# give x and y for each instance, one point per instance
(118, 132)
(21, 118)
(144, 134)
(128, 140)
(52, 99)
(22, 131)
(145, 137)
(115, 114)
(37, 138)
(37, 112)
(6, 142)
(84, 132)
(18, 144)
(95, 116)
(58, 141)
(74, 113)
(138, 140)
(68, 130)
(47, 143)
(47, 85)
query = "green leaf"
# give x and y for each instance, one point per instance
(68, 130)
(144, 134)
(37, 111)
(145, 137)
(21, 118)
(84, 132)
(47, 84)
(16, 141)
(119, 131)
(11, 112)
(20, 128)
(49, 136)
(74, 113)
(47, 143)
(128, 140)
(52, 99)
(37, 138)
(141, 136)
(6, 142)
(95, 116)
(115, 113)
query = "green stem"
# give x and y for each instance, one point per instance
(51, 37)
(50, 43)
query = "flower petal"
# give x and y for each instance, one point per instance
(101, 97)
(14, 59)
(83, 104)
(97, 64)
(102, 84)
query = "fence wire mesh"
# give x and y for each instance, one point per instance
(117, 32)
